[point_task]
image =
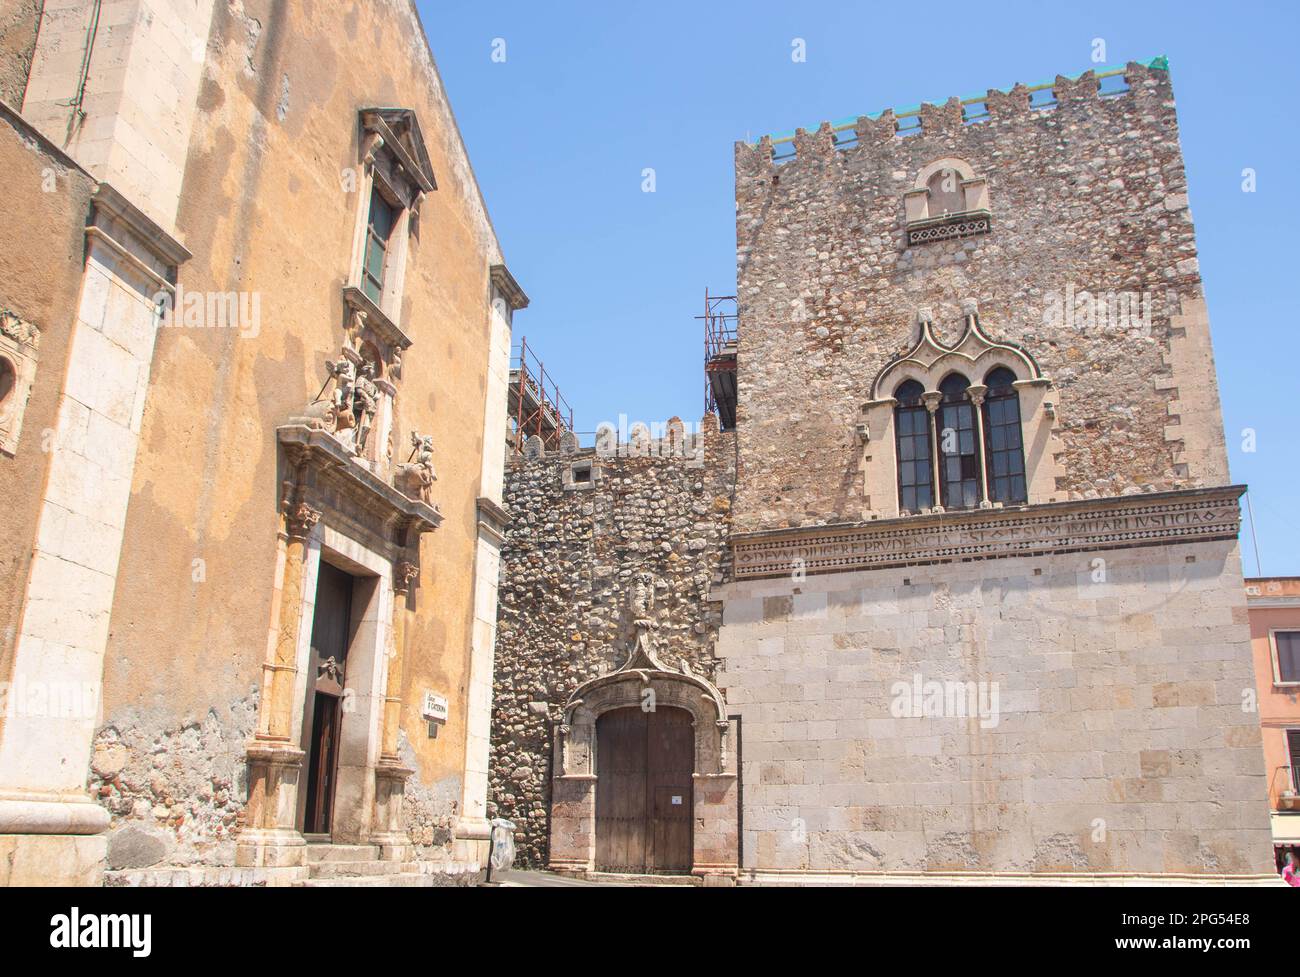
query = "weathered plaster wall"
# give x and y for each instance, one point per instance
(1118, 742)
(1090, 194)
(40, 282)
(570, 561)
(266, 208)
(19, 20)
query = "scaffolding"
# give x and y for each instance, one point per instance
(719, 317)
(536, 406)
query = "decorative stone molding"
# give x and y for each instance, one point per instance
(509, 288)
(974, 354)
(947, 201)
(396, 133)
(404, 573)
(326, 471)
(1063, 527)
(300, 519)
(19, 343)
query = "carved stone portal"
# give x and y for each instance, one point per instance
(643, 681)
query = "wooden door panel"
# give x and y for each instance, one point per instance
(330, 637)
(620, 791)
(644, 762)
(670, 762)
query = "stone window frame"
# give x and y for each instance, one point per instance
(395, 164)
(571, 470)
(928, 362)
(1272, 650)
(974, 218)
(19, 344)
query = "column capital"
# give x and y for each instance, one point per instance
(404, 572)
(301, 519)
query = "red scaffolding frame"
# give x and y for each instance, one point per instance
(536, 404)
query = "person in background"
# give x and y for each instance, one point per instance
(1291, 869)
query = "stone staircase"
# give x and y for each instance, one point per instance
(345, 866)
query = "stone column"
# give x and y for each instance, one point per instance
(390, 773)
(977, 392)
(931, 400)
(270, 836)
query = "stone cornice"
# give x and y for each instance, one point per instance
(322, 452)
(1058, 527)
(159, 243)
(376, 318)
(507, 286)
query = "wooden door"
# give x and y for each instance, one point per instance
(644, 762)
(330, 638)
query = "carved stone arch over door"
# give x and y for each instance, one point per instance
(644, 683)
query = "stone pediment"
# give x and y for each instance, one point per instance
(1059, 527)
(400, 130)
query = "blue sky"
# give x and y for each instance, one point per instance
(591, 94)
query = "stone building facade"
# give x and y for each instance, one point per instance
(589, 526)
(981, 597)
(255, 352)
(986, 612)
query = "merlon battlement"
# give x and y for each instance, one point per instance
(950, 117)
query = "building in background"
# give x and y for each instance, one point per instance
(255, 352)
(1274, 607)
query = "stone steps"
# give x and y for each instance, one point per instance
(327, 852)
(403, 880)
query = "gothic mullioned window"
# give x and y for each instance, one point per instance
(961, 416)
(915, 464)
(1005, 443)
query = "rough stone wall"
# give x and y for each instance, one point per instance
(1090, 193)
(19, 21)
(570, 558)
(176, 794)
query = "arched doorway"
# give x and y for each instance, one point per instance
(644, 768)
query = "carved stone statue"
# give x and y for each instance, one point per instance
(365, 400)
(643, 600)
(416, 476)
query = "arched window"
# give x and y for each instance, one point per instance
(915, 465)
(1005, 448)
(959, 461)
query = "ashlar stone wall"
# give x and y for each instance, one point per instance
(573, 552)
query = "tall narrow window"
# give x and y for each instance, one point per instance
(959, 462)
(379, 230)
(1286, 649)
(912, 424)
(1005, 448)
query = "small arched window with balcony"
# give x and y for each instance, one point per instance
(1005, 448)
(959, 448)
(915, 463)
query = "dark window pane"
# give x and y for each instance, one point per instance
(1288, 655)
